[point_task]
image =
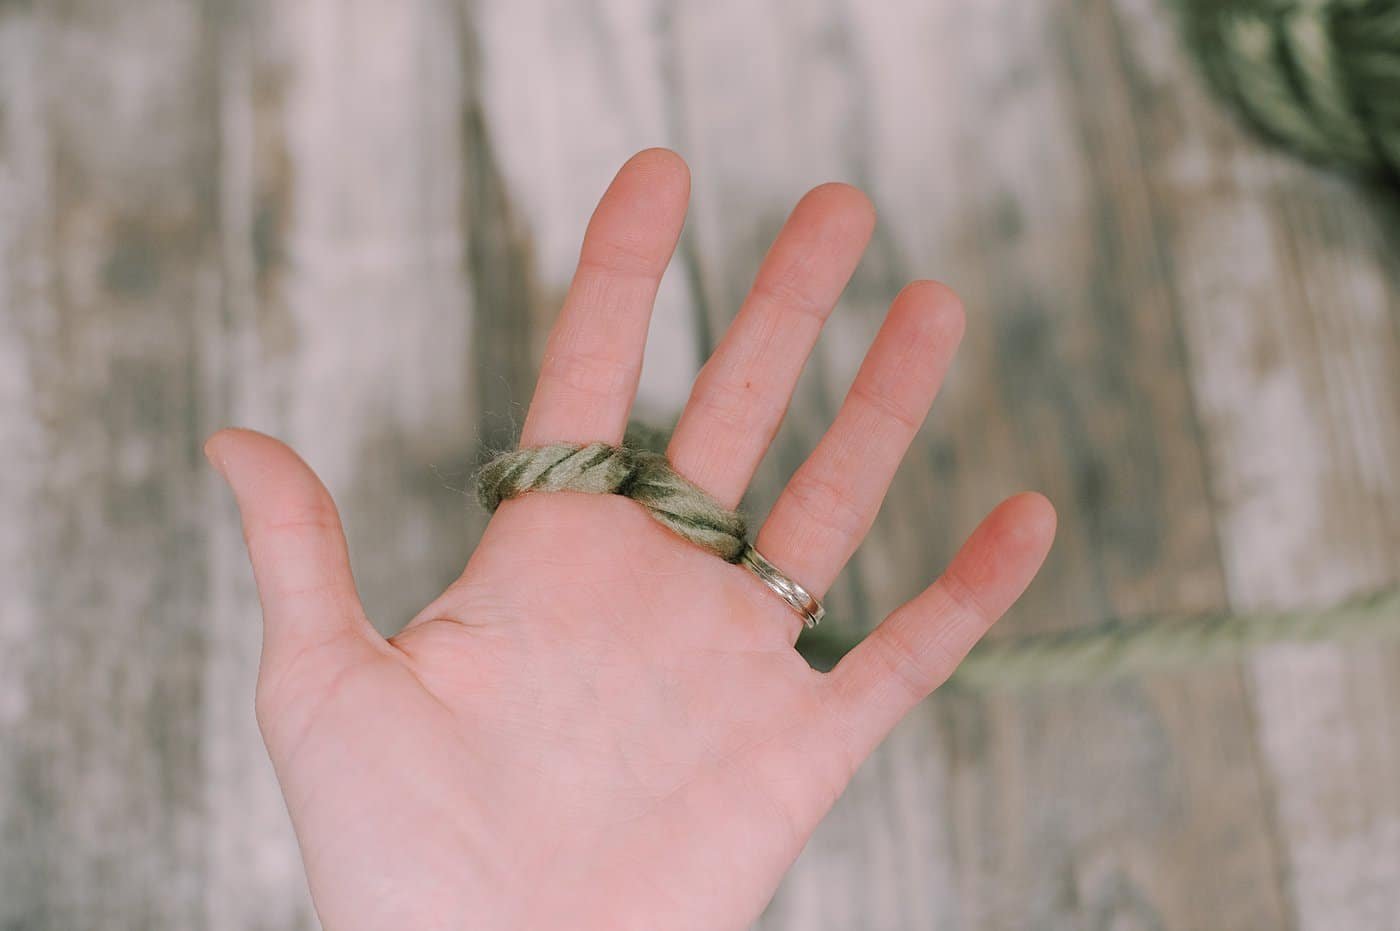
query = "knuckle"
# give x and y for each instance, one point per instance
(827, 504)
(964, 600)
(312, 520)
(594, 377)
(888, 408)
(787, 292)
(730, 403)
(912, 668)
(619, 258)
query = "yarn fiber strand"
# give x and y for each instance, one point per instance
(598, 468)
(1116, 649)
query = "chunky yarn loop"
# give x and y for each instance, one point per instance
(597, 468)
(1321, 76)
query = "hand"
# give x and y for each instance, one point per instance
(600, 725)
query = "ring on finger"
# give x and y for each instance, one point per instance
(808, 607)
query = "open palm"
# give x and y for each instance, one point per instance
(599, 724)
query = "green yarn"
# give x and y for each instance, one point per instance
(1106, 651)
(1117, 649)
(640, 474)
(1320, 76)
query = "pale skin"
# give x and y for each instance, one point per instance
(600, 725)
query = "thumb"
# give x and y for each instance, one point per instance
(295, 542)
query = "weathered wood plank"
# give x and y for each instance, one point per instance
(567, 92)
(111, 255)
(24, 277)
(349, 223)
(1135, 803)
(1288, 282)
(346, 332)
(254, 877)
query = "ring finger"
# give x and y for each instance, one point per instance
(832, 499)
(742, 392)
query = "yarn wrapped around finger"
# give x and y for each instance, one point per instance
(599, 468)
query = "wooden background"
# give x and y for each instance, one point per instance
(348, 222)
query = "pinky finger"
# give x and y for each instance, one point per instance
(916, 648)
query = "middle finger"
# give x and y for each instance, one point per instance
(741, 394)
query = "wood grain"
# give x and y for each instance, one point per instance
(346, 331)
(113, 256)
(1070, 381)
(1296, 371)
(349, 223)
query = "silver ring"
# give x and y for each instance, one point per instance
(797, 597)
